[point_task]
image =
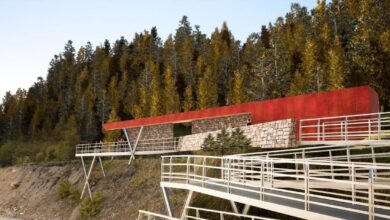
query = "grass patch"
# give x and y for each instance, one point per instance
(91, 208)
(68, 192)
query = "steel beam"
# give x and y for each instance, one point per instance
(186, 204)
(234, 206)
(132, 157)
(167, 201)
(101, 166)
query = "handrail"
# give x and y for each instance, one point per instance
(343, 116)
(198, 214)
(123, 146)
(148, 215)
(360, 127)
(221, 214)
(302, 181)
(373, 152)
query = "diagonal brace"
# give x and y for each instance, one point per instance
(132, 157)
(86, 184)
(187, 203)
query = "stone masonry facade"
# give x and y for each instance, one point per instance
(152, 132)
(213, 124)
(275, 134)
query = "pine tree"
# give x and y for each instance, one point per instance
(237, 92)
(308, 78)
(112, 136)
(207, 95)
(171, 101)
(155, 92)
(188, 103)
(336, 66)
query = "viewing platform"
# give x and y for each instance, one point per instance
(122, 148)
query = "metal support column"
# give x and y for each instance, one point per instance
(127, 139)
(101, 166)
(245, 210)
(234, 207)
(187, 204)
(86, 184)
(167, 202)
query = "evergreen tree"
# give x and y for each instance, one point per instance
(171, 100)
(237, 92)
(336, 66)
(207, 95)
(188, 103)
(155, 92)
(112, 136)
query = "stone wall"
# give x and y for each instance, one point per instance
(213, 124)
(152, 132)
(275, 134)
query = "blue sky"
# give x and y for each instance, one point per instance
(32, 31)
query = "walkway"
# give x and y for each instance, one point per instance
(302, 188)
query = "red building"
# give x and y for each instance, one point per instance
(349, 101)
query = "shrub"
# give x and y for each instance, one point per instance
(225, 142)
(69, 192)
(91, 208)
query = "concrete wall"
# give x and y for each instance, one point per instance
(213, 124)
(152, 132)
(275, 134)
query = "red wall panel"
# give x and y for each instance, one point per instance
(356, 100)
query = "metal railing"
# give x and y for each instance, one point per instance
(350, 188)
(153, 216)
(162, 144)
(379, 152)
(373, 126)
(199, 214)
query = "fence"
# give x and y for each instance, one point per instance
(337, 188)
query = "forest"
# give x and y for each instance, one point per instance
(338, 44)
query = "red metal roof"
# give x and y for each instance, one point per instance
(355, 100)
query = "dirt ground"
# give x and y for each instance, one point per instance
(30, 191)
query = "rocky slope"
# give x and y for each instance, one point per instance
(31, 191)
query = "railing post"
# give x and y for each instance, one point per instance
(318, 130)
(349, 159)
(170, 169)
(267, 159)
(369, 129)
(379, 126)
(222, 169)
(262, 181)
(188, 169)
(346, 129)
(272, 173)
(244, 170)
(371, 210)
(331, 164)
(353, 182)
(306, 165)
(162, 169)
(229, 164)
(203, 170)
(296, 166)
(300, 131)
(373, 155)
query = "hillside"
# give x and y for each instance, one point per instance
(30, 191)
(339, 43)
